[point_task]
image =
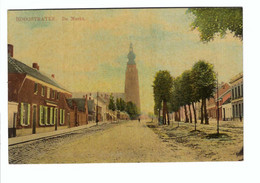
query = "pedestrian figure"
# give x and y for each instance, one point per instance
(139, 120)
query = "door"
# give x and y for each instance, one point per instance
(224, 114)
(34, 119)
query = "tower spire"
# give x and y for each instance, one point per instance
(131, 48)
(131, 55)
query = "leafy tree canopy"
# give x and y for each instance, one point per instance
(132, 110)
(213, 21)
(203, 80)
(112, 105)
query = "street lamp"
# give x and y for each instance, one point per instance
(217, 108)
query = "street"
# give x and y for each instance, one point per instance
(129, 141)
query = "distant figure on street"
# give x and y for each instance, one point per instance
(139, 120)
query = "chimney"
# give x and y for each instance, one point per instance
(10, 50)
(53, 76)
(36, 66)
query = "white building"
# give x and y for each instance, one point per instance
(227, 114)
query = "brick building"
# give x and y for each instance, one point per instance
(41, 100)
(78, 111)
(223, 95)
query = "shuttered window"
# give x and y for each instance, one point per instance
(55, 116)
(41, 115)
(21, 114)
(51, 116)
(45, 114)
(25, 114)
(63, 117)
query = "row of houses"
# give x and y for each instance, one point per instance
(37, 103)
(227, 101)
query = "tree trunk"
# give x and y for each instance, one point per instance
(201, 112)
(168, 117)
(159, 117)
(195, 118)
(164, 112)
(205, 113)
(190, 114)
(179, 114)
(186, 115)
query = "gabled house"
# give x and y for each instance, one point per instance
(41, 100)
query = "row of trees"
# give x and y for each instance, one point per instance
(197, 84)
(129, 107)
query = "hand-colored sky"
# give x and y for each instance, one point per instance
(91, 55)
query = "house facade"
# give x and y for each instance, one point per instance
(42, 105)
(237, 96)
(227, 110)
(78, 111)
(220, 96)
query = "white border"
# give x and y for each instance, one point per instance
(145, 172)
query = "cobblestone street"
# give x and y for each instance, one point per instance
(131, 141)
(125, 142)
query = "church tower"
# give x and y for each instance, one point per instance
(131, 80)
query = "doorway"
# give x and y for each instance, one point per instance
(34, 119)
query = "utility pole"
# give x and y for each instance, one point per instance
(97, 110)
(217, 108)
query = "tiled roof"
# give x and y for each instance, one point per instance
(227, 101)
(15, 66)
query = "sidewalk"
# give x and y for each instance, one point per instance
(32, 137)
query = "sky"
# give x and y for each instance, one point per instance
(89, 53)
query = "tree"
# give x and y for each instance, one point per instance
(186, 87)
(132, 110)
(176, 98)
(203, 84)
(122, 104)
(162, 85)
(111, 104)
(157, 108)
(213, 21)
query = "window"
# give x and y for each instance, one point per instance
(52, 93)
(51, 121)
(238, 91)
(234, 115)
(48, 92)
(35, 88)
(62, 116)
(25, 114)
(58, 95)
(55, 116)
(242, 90)
(233, 93)
(45, 115)
(41, 115)
(43, 91)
